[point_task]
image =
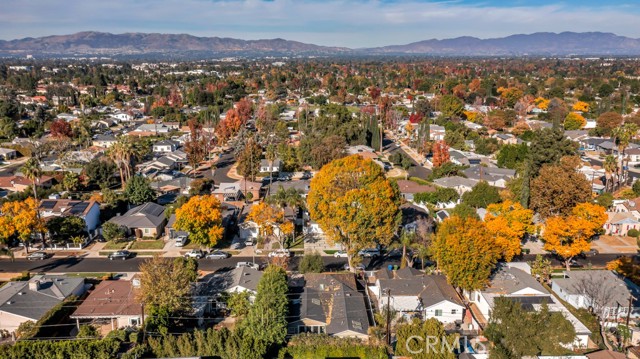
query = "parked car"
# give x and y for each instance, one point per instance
(590, 253)
(119, 255)
(340, 254)
(37, 256)
(280, 253)
(218, 255)
(237, 245)
(369, 253)
(255, 266)
(358, 268)
(249, 242)
(181, 241)
(194, 253)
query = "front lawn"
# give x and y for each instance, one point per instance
(115, 245)
(156, 244)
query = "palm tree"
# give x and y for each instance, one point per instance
(33, 172)
(610, 168)
(271, 156)
(420, 251)
(623, 136)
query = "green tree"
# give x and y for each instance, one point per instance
(113, 232)
(464, 210)
(431, 329)
(174, 275)
(440, 195)
(139, 191)
(239, 304)
(450, 106)
(70, 181)
(87, 331)
(249, 160)
(541, 268)
(511, 156)
(33, 172)
(481, 195)
(63, 228)
(311, 263)
(548, 147)
(100, 172)
(517, 333)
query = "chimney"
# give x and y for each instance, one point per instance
(34, 285)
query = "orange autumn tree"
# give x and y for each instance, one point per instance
(569, 236)
(354, 204)
(440, 153)
(21, 219)
(271, 221)
(201, 216)
(581, 106)
(508, 222)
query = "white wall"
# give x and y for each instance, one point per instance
(446, 307)
(11, 322)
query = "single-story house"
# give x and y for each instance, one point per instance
(460, 184)
(603, 291)
(267, 167)
(619, 223)
(30, 300)
(146, 220)
(226, 192)
(331, 304)
(20, 183)
(165, 146)
(112, 301)
(409, 188)
(87, 210)
(411, 292)
(8, 154)
(104, 141)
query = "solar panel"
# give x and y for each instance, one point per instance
(48, 204)
(79, 208)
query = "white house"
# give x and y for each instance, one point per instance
(122, 116)
(165, 146)
(267, 167)
(8, 154)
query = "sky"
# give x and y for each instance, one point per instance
(349, 23)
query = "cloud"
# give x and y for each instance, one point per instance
(359, 23)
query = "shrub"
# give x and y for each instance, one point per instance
(311, 263)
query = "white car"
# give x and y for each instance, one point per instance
(369, 253)
(340, 254)
(280, 253)
(248, 264)
(194, 253)
(181, 241)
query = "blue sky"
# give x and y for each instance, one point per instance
(356, 23)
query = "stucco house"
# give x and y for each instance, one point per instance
(146, 220)
(111, 302)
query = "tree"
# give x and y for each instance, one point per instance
(61, 128)
(440, 153)
(197, 147)
(433, 342)
(517, 332)
(32, 171)
(70, 181)
(174, 276)
(113, 232)
(311, 263)
(511, 156)
(239, 304)
(450, 106)
(354, 203)
(508, 222)
(574, 121)
(249, 160)
(21, 219)
(548, 147)
(26, 330)
(266, 321)
(541, 269)
(581, 106)
(88, 331)
(464, 250)
(607, 122)
(63, 228)
(481, 195)
(636, 188)
(569, 236)
(100, 172)
(138, 191)
(201, 186)
(201, 217)
(440, 195)
(464, 210)
(559, 188)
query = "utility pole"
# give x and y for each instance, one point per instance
(144, 332)
(388, 316)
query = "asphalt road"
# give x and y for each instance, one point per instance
(416, 170)
(222, 169)
(75, 264)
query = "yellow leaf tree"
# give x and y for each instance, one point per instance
(570, 235)
(581, 106)
(271, 221)
(354, 204)
(20, 218)
(508, 222)
(574, 121)
(202, 218)
(465, 250)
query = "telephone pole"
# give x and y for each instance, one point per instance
(144, 332)
(388, 316)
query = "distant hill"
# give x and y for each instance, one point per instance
(183, 45)
(539, 44)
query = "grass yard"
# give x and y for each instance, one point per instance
(89, 274)
(115, 245)
(155, 244)
(330, 251)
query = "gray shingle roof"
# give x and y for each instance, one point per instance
(618, 288)
(245, 277)
(148, 215)
(431, 289)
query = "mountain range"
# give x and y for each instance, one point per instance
(184, 45)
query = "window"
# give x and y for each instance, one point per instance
(134, 322)
(147, 230)
(454, 311)
(315, 329)
(438, 312)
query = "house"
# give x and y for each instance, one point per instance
(113, 302)
(600, 290)
(460, 184)
(122, 116)
(104, 141)
(413, 216)
(506, 138)
(30, 300)
(302, 186)
(7, 154)
(87, 210)
(437, 132)
(250, 189)
(146, 220)
(228, 192)
(331, 304)
(619, 223)
(165, 146)
(605, 354)
(514, 282)
(243, 279)
(411, 292)
(409, 188)
(494, 176)
(633, 154)
(267, 167)
(20, 183)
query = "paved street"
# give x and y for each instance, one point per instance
(78, 264)
(391, 146)
(222, 169)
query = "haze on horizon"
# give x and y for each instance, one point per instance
(354, 24)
